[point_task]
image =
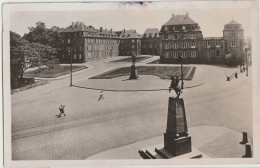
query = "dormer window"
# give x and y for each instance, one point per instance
(165, 28)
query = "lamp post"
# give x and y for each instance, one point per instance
(70, 70)
(181, 74)
(246, 60)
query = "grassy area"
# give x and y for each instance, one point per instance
(53, 72)
(37, 83)
(164, 72)
(129, 59)
(154, 62)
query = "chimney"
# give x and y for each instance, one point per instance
(187, 14)
(73, 25)
(110, 30)
(101, 29)
(173, 15)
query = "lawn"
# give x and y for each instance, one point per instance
(129, 59)
(164, 72)
(53, 72)
(154, 62)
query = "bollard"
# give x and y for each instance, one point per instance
(248, 152)
(245, 139)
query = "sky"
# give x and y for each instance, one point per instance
(211, 16)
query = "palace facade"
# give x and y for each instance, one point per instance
(130, 41)
(83, 43)
(150, 42)
(182, 41)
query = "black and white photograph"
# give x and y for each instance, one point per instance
(131, 83)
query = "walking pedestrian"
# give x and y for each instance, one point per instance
(101, 96)
(61, 108)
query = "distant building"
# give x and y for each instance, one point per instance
(233, 35)
(181, 38)
(182, 41)
(130, 41)
(83, 43)
(150, 42)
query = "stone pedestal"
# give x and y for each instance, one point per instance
(177, 142)
(176, 139)
(177, 146)
(133, 74)
(176, 119)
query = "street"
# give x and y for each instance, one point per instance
(126, 117)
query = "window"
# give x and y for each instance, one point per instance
(193, 44)
(151, 45)
(180, 53)
(206, 43)
(133, 41)
(133, 46)
(217, 43)
(173, 28)
(188, 54)
(175, 37)
(69, 50)
(234, 35)
(233, 43)
(217, 53)
(166, 28)
(75, 56)
(183, 27)
(166, 54)
(193, 54)
(184, 45)
(175, 45)
(166, 37)
(79, 56)
(68, 41)
(184, 55)
(175, 54)
(192, 36)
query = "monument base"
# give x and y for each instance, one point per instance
(177, 146)
(159, 152)
(133, 74)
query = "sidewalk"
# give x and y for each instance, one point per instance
(206, 139)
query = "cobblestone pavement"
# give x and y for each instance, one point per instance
(122, 118)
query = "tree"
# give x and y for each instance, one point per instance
(41, 34)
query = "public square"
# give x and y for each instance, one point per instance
(131, 116)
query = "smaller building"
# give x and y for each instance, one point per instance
(213, 50)
(130, 41)
(83, 43)
(150, 42)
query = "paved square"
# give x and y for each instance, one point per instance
(128, 117)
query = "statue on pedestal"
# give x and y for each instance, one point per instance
(176, 139)
(175, 86)
(133, 74)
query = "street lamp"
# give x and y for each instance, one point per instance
(182, 83)
(246, 48)
(70, 68)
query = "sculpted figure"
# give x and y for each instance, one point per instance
(175, 86)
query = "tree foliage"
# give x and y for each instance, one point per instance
(41, 34)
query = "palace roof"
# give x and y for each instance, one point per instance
(233, 22)
(81, 27)
(180, 20)
(128, 34)
(151, 32)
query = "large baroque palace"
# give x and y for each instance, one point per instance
(179, 40)
(182, 41)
